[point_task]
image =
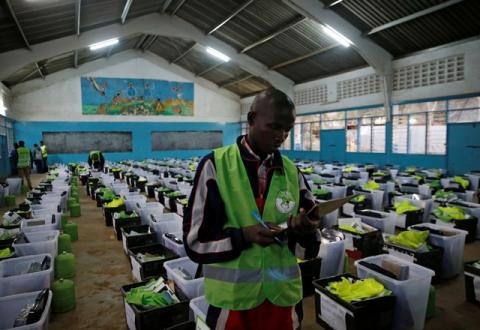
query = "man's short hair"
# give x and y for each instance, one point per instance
(278, 98)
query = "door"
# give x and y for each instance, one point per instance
(332, 145)
(463, 148)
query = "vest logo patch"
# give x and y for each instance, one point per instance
(284, 202)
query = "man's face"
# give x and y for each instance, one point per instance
(269, 127)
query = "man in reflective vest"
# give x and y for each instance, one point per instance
(24, 163)
(243, 197)
(96, 160)
(43, 147)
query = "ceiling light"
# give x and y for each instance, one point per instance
(105, 43)
(335, 3)
(218, 54)
(334, 34)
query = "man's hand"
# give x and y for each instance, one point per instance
(300, 224)
(260, 235)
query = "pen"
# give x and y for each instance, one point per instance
(264, 225)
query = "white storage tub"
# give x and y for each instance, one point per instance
(40, 242)
(199, 308)
(178, 249)
(453, 247)
(166, 223)
(11, 306)
(14, 278)
(192, 288)
(411, 294)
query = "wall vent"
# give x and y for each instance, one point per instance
(439, 71)
(314, 95)
(369, 84)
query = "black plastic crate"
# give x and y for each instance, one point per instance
(430, 259)
(140, 185)
(147, 237)
(125, 222)
(153, 267)
(108, 213)
(411, 217)
(310, 271)
(365, 245)
(189, 325)
(156, 318)
(151, 189)
(471, 273)
(324, 195)
(375, 313)
(91, 183)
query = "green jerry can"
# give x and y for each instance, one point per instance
(63, 296)
(75, 196)
(75, 210)
(64, 243)
(65, 265)
(64, 220)
(10, 201)
(70, 202)
(71, 229)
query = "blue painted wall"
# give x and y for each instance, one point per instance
(463, 147)
(31, 132)
(334, 140)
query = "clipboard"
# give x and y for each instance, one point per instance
(321, 209)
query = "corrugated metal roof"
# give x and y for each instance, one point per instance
(45, 20)
(169, 48)
(225, 72)
(96, 13)
(300, 40)
(249, 87)
(197, 60)
(331, 62)
(9, 35)
(456, 22)
(255, 22)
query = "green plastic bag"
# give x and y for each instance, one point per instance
(371, 185)
(115, 203)
(404, 207)
(359, 198)
(307, 170)
(350, 229)
(461, 181)
(449, 213)
(138, 296)
(5, 253)
(358, 290)
(411, 238)
(442, 194)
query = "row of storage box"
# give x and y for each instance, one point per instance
(26, 277)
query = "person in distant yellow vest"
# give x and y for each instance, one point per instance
(43, 147)
(24, 163)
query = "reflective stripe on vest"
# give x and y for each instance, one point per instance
(23, 157)
(250, 275)
(259, 273)
(44, 151)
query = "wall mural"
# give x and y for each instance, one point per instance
(136, 97)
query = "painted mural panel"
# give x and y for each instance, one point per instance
(136, 97)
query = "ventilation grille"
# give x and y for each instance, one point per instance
(245, 108)
(364, 85)
(440, 71)
(314, 95)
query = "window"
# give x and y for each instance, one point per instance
(307, 133)
(333, 120)
(420, 128)
(464, 110)
(366, 130)
(287, 144)
(244, 126)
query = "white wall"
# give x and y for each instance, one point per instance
(470, 84)
(58, 98)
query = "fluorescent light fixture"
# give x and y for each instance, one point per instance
(218, 54)
(334, 34)
(335, 3)
(103, 44)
